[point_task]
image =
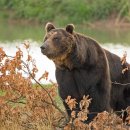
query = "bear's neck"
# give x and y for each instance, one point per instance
(68, 61)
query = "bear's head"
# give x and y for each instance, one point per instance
(58, 42)
(67, 48)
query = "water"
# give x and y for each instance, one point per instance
(44, 64)
(13, 31)
(12, 35)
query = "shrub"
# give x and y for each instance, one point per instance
(28, 105)
(68, 11)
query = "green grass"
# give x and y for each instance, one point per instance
(57, 99)
(22, 100)
(64, 11)
(2, 93)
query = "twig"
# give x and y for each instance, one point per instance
(52, 101)
(16, 100)
(120, 83)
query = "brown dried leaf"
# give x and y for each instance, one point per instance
(84, 103)
(73, 114)
(26, 44)
(124, 70)
(44, 76)
(82, 116)
(71, 102)
(123, 59)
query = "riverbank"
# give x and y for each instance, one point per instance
(107, 23)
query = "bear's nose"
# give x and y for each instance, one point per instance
(43, 47)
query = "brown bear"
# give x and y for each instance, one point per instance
(120, 92)
(81, 67)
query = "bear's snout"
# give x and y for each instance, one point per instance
(44, 48)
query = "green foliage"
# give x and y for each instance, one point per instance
(64, 11)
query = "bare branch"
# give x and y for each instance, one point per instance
(120, 83)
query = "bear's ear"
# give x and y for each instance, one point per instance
(70, 28)
(49, 27)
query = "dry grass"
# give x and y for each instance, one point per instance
(25, 106)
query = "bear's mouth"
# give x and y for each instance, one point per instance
(43, 51)
(49, 55)
(56, 55)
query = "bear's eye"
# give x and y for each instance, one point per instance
(55, 38)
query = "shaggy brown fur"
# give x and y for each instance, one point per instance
(81, 67)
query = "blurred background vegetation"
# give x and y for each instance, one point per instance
(65, 11)
(105, 20)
